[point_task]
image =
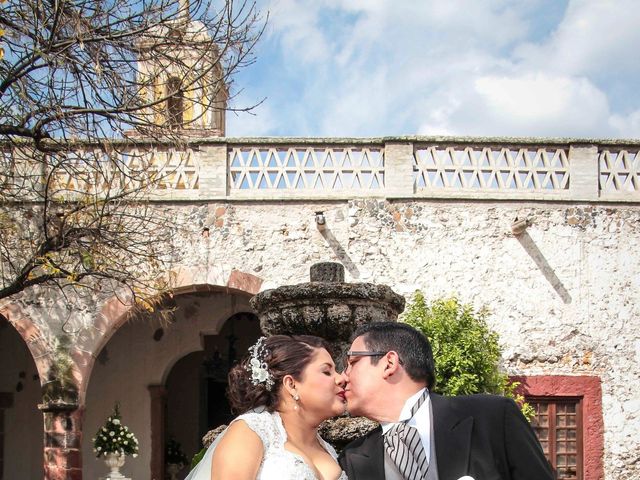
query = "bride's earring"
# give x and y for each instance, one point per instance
(296, 398)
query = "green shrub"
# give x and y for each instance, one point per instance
(466, 352)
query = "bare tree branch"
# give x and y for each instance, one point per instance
(87, 88)
(76, 69)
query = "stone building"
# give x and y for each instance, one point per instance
(543, 232)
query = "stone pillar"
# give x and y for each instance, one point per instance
(62, 441)
(212, 159)
(158, 407)
(398, 169)
(584, 176)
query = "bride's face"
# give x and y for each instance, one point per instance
(321, 388)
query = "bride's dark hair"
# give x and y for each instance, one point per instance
(284, 355)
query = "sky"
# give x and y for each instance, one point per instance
(374, 68)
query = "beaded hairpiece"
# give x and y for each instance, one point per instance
(258, 366)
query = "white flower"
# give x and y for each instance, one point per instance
(116, 421)
(134, 455)
(111, 434)
(260, 375)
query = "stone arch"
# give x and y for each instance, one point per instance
(193, 389)
(152, 358)
(180, 355)
(113, 313)
(31, 334)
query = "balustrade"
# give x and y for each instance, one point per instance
(403, 167)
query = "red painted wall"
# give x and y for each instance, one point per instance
(590, 390)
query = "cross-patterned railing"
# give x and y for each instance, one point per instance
(487, 168)
(619, 170)
(404, 167)
(328, 168)
(93, 170)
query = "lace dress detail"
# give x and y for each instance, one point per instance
(278, 462)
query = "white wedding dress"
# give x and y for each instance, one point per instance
(277, 462)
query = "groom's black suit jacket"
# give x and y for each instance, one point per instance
(483, 436)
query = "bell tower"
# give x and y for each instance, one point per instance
(182, 78)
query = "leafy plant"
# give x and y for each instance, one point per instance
(197, 457)
(467, 352)
(173, 453)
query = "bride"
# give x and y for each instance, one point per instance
(285, 388)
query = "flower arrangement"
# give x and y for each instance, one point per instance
(114, 437)
(173, 453)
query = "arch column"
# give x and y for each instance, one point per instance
(62, 441)
(158, 395)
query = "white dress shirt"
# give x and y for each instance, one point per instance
(421, 420)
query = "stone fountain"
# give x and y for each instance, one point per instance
(328, 307)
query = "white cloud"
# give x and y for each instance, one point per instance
(626, 126)
(595, 37)
(297, 25)
(481, 67)
(541, 104)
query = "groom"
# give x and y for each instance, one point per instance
(389, 373)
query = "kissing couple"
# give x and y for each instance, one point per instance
(288, 385)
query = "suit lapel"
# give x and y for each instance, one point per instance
(452, 431)
(367, 461)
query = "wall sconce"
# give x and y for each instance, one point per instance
(520, 225)
(321, 222)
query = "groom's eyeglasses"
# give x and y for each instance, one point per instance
(348, 362)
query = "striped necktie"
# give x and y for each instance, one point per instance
(403, 445)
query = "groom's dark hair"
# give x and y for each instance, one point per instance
(412, 347)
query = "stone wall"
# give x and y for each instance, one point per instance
(564, 295)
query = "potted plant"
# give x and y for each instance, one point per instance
(114, 441)
(174, 457)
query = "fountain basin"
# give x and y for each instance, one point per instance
(332, 310)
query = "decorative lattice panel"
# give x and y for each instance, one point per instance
(494, 169)
(95, 171)
(619, 171)
(306, 168)
(177, 170)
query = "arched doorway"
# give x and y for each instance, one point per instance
(21, 423)
(135, 366)
(196, 386)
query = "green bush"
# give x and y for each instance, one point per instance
(466, 352)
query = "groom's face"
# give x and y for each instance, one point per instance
(363, 379)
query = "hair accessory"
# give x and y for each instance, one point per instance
(258, 366)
